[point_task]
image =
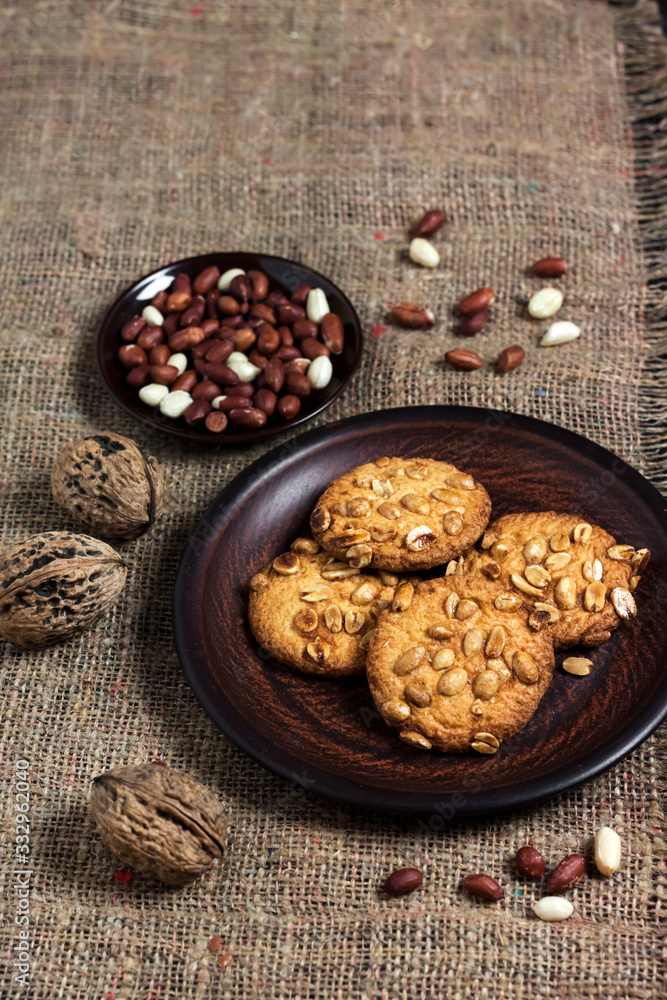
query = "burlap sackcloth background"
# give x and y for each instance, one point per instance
(135, 132)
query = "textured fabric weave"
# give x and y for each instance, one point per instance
(135, 132)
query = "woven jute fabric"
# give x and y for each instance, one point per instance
(135, 132)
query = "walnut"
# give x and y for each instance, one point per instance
(109, 485)
(54, 585)
(159, 821)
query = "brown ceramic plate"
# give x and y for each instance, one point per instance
(327, 735)
(283, 274)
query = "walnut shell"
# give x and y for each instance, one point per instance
(159, 821)
(54, 585)
(109, 485)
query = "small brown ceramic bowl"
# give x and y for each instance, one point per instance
(285, 276)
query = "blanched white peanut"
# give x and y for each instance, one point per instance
(560, 333)
(577, 665)
(553, 908)
(245, 370)
(215, 403)
(153, 394)
(317, 306)
(152, 316)
(227, 278)
(320, 372)
(424, 253)
(237, 356)
(178, 361)
(299, 365)
(175, 403)
(545, 303)
(607, 850)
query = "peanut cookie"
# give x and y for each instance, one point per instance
(573, 578)
(401, 514)
(459, 669)
(316, 614)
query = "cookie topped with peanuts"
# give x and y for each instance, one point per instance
(316, 614)
(573, 577)
(401, 514)
(458, 669)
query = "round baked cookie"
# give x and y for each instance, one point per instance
(401, 514)
(314, 613)
(458, 669)
(573, 577)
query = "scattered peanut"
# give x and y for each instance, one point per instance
(174, 404)
(549, 267)
(413, 317)
(320, 372)
(463, 359)
(552, 908)
(560, 333)
(429, 223)
(424, 253)
(530, 862)
(152, 316)
(153, 394)
(577, 665)
(476, 301)
(484, 887)
(227, 278)
(403, 881)
(317, 306)
(473, 323)
(545, 303)
(567, 873)
(607, 851)
(510, 358)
